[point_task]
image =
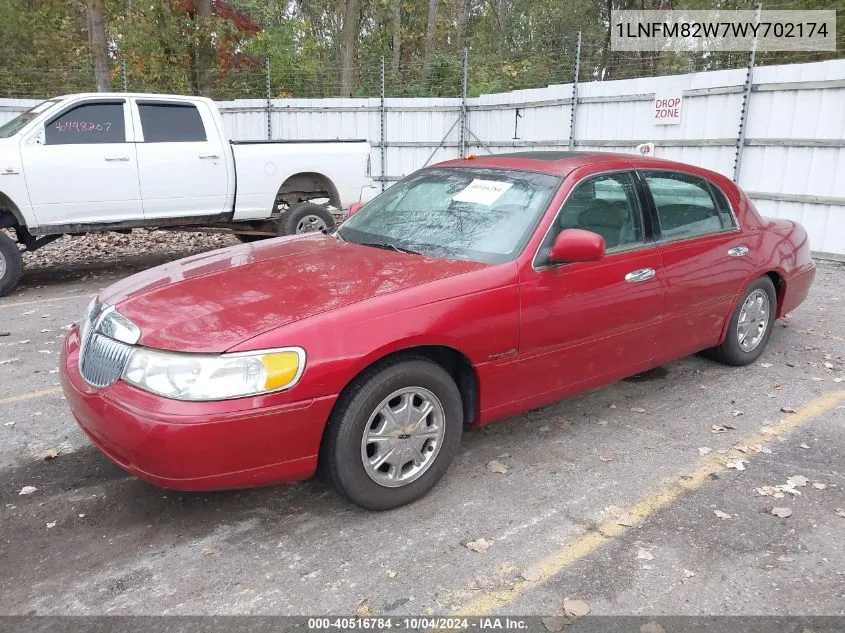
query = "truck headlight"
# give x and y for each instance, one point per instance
(204, 377)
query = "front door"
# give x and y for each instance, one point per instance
(81, 169)
(589, 322)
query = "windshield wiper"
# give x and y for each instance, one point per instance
(390, 247)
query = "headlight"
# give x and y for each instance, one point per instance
(214, 377)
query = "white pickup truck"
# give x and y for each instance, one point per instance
(117, 161)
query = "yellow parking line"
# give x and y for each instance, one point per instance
(31, 395)
(671, 490)
(37, 301)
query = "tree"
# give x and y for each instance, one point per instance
(203, 54)
(349, 47)
(99, 45)
(396, 51)
(430, 35)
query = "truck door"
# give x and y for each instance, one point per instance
(82, 168)
(181, 160)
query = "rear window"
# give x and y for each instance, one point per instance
(171, 123)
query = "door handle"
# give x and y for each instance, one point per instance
(738, 251)
(643, 274)
(210, 156)
(121, 159)
(10, 171)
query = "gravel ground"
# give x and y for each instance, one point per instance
(626, 498)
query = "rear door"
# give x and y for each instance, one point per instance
(585, 323)
(181, 163)
(706, 258)
(82, 168)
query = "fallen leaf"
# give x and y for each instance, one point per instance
(703, 387)
(840, 512)
(736, 465)
(718, 428)
(637, 409)
(703, 450)
(24, 341)
(51, 524)
(687, 574)
(575, 608)
(27, 490)
(532, 574)
(789, 409)
(798, 480)
(721, 515)
(497, 467)
(781, 512)
(737, 413)
(778, 386)
(554, 623)
(364, 610)
(803, 446)
(51, 454)
(562, 423)
(611, 406)
(625, 521)
(480, 545)
(819, 486)
(644, 554)
(208, 551)
(606, 458)
(828, 365)
(765, 365)
(391, 574)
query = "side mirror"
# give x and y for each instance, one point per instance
(577, 245)
(354, 208)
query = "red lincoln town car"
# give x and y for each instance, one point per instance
(469, 291)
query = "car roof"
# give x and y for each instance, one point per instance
(562, 163)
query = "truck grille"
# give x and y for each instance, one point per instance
(101, 359)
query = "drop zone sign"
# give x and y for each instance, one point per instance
(667, 109)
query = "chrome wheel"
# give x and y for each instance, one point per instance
(310, 224)
(403, 437)
(753, 320)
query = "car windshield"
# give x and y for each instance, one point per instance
(10, 128)
(477, 214)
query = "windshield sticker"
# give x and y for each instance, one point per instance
(484, 192)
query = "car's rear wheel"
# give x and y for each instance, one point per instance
(393, 433)
(750, 326)
(11, 264)
(306, 217)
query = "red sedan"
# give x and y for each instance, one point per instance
(469, 291)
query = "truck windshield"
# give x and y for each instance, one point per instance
(10, 128)
(478, 214)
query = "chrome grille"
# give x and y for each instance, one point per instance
(102, 359)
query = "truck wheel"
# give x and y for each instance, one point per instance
(11, 264)
(306, 217)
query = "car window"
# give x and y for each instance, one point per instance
(478, 214)
(685, 206)
(87, 124)
(724, 207)
(606, 205)
(171, 122)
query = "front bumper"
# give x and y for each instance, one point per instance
(196, 445)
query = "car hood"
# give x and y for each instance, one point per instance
(214, 301)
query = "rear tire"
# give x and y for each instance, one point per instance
(11, 264)
(368, 425)
(750, 326)
(306, 217)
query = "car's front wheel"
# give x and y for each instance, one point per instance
(11, 264)
(750, 326)
(393, 433)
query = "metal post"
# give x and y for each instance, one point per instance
(746, 102)
(383, 114)
(123, 70)
(269, 100)
(464, 104)
(575, 73)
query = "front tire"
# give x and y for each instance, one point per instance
(11, 264)
(750, 326)
(306, 217)
(393, 433)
